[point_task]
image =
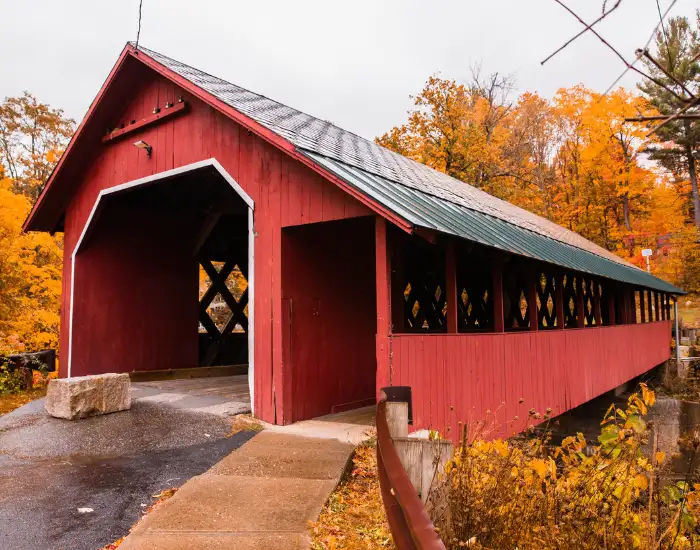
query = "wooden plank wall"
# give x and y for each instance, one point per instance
(284, 191)
(329, 304)
(471, 377)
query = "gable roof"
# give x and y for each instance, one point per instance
(414, 192)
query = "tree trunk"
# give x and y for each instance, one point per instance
(693, 185)
(626, 211)
(692, 174)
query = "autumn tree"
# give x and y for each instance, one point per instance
(677, 50)
(460, 129)
(30, 277)
(572, 159)
(601, 184)
(32, 137)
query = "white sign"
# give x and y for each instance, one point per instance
(647, 252)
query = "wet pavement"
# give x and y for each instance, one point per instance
(83, 484)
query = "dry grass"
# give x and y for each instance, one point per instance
(11, 401)
(354, 515)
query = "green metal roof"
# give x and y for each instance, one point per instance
(424, 210)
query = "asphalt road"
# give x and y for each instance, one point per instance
(112, 465)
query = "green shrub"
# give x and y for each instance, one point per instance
(10, 380)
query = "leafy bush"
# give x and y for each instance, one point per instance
(10, 380)
(530, 494)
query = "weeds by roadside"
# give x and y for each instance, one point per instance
(18, 388)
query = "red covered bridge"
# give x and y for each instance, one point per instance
(355, 268)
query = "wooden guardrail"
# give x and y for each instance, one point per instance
(410, 524)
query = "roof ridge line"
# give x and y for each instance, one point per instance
(147, 50)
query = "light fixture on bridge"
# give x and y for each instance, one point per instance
(143, 145)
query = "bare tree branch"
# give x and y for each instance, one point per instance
(646, 54)
(674, 116)
(646, 46)
(617, 53)
(588, 27)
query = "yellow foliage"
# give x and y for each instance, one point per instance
(30, 278)
(533, 495)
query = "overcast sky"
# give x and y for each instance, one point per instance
(353, 63)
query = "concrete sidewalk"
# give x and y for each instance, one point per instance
(261, 496)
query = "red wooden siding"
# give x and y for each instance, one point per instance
(284, 191)
(329, 309)
(140, 311)
(459, 377)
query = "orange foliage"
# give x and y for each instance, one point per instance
(30, 278)
(572, 159)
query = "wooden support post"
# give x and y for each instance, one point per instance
(559, 299)
(451, 286)
(642, 311)
(497, 279)
(664, 301)
(596, 304)
(611, 293)
(580, 317)
(657, 313)
(383, 290)
(532, 282)
(397, 418)
(650, 307)
(397, 283)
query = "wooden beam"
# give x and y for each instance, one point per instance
(663, 306)
(650, 308)
(657, 313)
(451, 285)
(642, 311)
(611, 292)
(383, 293)
(497, 282)
(532, 297)
(397, 281)
(559, 298)
(596, 304)
(426, 234)
(207, 227)
(163, 114)
(580, 317)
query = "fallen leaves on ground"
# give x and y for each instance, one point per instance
(11, 401)
(244, 423)
(354, 515)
